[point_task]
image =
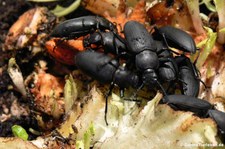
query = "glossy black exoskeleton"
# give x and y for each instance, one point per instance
(188, 74)
(143, 49)
(219, 118)
(168, 69)
(107, 40)
(81, 26)
(175, 38)
(198, 106)
(106, 70)
(188, 103)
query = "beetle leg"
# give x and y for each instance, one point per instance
(133, 97)
(197, 72)
(114, 45)
(164, 39)
(117, 57)
(182, 81)
(160, 85)
(60, 41)
(206, 87)
(106, 101)
(163, 36)
(94, 38)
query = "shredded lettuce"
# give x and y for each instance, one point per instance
(208, 46)
(85, 143)
(130, 126)
(80, 144)
(158, 126)
(70, 93)
(60, 11)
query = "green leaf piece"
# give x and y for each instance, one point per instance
(60, 11)
(209, 44)
(20, 132)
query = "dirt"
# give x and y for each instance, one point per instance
(10, 11)
(10, 99)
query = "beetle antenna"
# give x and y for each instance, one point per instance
(60, 41)
(167, 45)
(194, 65)
(163, 90)
(133, 97)
(206, 87)
(115, 45)
(182, 81)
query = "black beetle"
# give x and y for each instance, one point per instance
(219, 118)
(198, 106)
(180, 68)
(143, 49)
(81, 26)
(176, 38)
(168, 69)
(188, 103)
(188, 74)
(106, 70)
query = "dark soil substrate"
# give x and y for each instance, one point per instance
(10, 10)
(9, 13)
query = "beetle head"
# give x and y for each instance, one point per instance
(149, 77)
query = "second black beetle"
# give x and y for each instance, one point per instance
(106, 70)
(199, 107)
(176, 38)
(81, 26)
(143, 50)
